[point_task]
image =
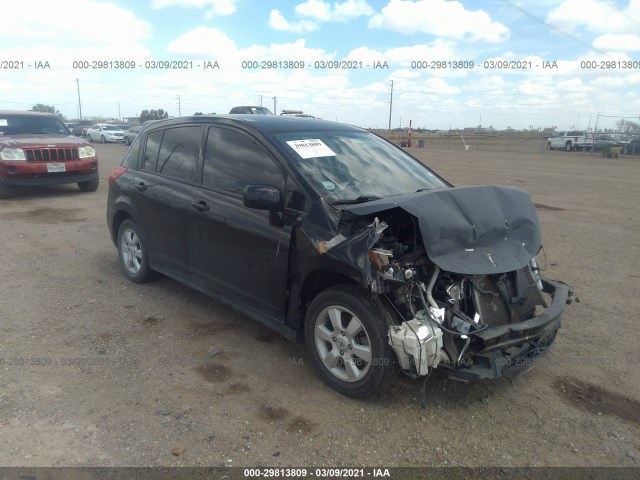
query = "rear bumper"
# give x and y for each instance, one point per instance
(512, 349)
(35, 173)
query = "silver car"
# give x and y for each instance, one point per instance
(131, 134)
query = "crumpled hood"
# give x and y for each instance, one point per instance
(470, 230)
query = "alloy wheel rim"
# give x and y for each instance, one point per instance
(343, 344)
(131, 251)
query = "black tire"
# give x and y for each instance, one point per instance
(341, 324)
(89, 186)
(89, 135)
(133, 254)
(549, 146)
(102, 139)
(568, 147)
(5, 191)
(127, 141)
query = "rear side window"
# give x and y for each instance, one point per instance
(173, 152)
(151, 150)
(234, 160)
(178, 154)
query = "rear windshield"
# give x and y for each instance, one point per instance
(31, 124)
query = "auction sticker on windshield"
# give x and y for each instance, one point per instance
(311, 148)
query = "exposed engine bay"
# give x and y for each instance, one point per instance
(456, 272)
(446, 310)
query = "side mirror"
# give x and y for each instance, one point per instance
(263, 197)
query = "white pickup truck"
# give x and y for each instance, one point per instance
(573, 140)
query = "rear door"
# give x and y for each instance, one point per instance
(161, 190)
(237, 251)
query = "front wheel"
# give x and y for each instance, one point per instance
(127, 141)
(133, 254)
(568, 147)
(89, 186)
(549, 146)
(102, 139)
(347, 338)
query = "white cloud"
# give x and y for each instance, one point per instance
(211, 43)
(203, 41)
(215, 7)
(317, 11)
(617, 43)
(596, 16)
(36, 21)
(439, 86)
(448, 19)
(278, 22)
(440, 50)
(336, 12)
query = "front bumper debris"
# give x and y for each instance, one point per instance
(512, 349)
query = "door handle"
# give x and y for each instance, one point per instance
(140, 186)
(201, 206)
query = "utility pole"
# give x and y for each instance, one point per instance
(275, 112)
(260, 100)
(390, 105)
(119, 117)
(595, 133)
(79, 104)
(179, 107)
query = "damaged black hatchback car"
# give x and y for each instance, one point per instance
(330, 234)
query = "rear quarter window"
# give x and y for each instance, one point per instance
(179, 152)
(131, 158)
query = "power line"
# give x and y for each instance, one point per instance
(613, 6)
(551, 27)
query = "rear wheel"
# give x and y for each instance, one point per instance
(568, 147)
(348, 340)
(549, 146)
(133, 254)
(127, 141)
(102, 139)
(89, 186)
(90, 137)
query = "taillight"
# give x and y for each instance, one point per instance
(115, 173)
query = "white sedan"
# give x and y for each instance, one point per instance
(104, 132)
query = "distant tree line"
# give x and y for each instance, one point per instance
(41, 107)
(628, 127)
(159, 114)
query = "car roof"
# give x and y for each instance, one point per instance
(26, 112)
(262, 123)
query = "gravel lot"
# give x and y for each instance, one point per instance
(95, 370)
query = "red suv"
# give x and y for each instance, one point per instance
(36, 149)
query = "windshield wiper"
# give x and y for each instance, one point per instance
(360, 199)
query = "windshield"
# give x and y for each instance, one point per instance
(110, 128)
(30, 124)
(356, 166)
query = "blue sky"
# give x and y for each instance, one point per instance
(562, 34)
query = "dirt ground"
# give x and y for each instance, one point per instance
(98, 371)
